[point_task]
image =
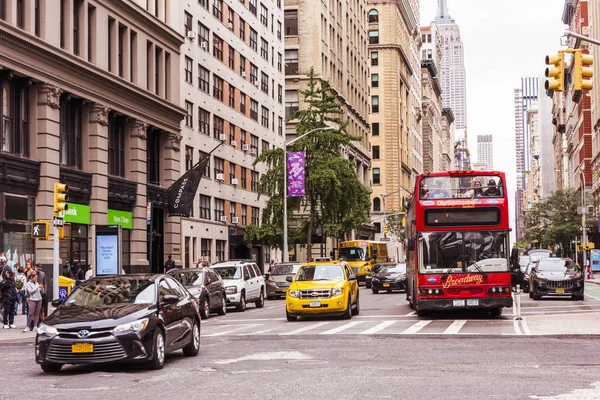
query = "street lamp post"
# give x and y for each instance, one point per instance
(286, 255)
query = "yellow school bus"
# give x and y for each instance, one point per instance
(362, 255)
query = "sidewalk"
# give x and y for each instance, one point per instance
(595, 279)
(17, 335)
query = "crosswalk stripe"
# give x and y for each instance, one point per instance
(416, 327)
(516, 326)
(304, 329)
(455, 327)
(378, 327)
(236, 329)
(341, 328)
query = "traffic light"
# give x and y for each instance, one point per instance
(40, 230)
(384, 230)
(582, 69)
(60, 197)
(555, 70)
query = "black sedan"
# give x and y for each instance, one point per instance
(388, 277)
(206, 285)
(133, 318)
(556, 277)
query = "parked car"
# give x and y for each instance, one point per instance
(530, 265)
(243, 283)
(136, 318)
(369, 276)
(389, 277)
(322, 288)
(276, 279)
(206, 285)
(556, 277)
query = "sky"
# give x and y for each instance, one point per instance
(503, 41)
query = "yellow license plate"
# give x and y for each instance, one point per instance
(560, 290)
(386, 285)
(82, 348)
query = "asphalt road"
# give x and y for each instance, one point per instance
(259, 355)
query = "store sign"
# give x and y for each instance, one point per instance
(123, 218)
(77, 214)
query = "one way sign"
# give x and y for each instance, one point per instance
(39, 230)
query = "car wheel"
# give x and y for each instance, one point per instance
(192, 348)
(496, 312)
(356, 309)
(530, 295)
(348, 313)
(290, 317)
(375, 291)
(389, 291)
(158, 358)
(578, 297)
(270, 297)
(242, 304)
(51, 367)
(260, 303)
(205, 308)
(223, 309)
(421, 313)
(535, 296)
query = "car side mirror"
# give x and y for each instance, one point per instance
(289, 278)
(352, 277)
(170, 299)
(57, 302)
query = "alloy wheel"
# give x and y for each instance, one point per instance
(160, 348)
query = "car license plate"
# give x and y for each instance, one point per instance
(316, 303)
(458, 303)
(82, 348)
(386, 285)
(472, 302)
(560, 290)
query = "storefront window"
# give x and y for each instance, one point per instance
(16, 243)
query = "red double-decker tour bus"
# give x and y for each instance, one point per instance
(457, 232)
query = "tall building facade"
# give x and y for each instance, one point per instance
(533, 192)
(431, 100)
(90, 98)
(447, 139)
(232, 89)
(546, 148)
(452, 71)
(332, 37)
(485, 151)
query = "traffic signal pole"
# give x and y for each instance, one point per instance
(568, 33)
(55, 264)
(60, 199)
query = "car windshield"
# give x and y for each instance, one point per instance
(285, 269)
(555, 265)
(353, 253)
(523, 262)
(449, 187)
(106, 291)
(320, 273)
(230, 272)
(191, 278)
(463, 251)
(390, 268)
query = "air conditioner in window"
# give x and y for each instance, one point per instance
(233, 143)
(234, 181)
(222, 137)
(223, 218)
(190, 34)
(243, 74)
(235, 220)
(220, 177)
(253, 152)
(245, 147)
(204, 45)
(256, 83)
(230, 25)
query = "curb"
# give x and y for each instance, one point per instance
(593, 282)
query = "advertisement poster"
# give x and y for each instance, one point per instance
(107, 255)
(595, 259)
(295, 175)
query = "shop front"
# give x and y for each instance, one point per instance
(125, 219)
(76, 249)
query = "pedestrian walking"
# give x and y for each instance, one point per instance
(89, 273)
(34, 292)
(4, 268)
(169, 264)
(20, 282)
(9, 296)
(42, 282)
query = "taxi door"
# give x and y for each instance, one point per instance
(353, 284)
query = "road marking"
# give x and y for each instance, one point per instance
(341, 328)
(525, 327)
(593, 297)
(410, 313)
(304, 329)
(514, 303)
(227, 332)
(378, 327)
(255, 333)
(516, 326)
(415, 328)
(455, 327)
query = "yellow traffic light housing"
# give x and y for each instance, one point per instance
(556, 71)
(581, 70)
(60, 197)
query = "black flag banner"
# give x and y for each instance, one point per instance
(181, 194)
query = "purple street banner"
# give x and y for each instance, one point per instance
(295, 174)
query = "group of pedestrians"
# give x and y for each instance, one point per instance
(28, 287)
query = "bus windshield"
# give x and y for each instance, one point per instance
(353, 253)
(463, 251)
(449, 187)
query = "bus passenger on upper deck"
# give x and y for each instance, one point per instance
(492, 190)
(439, 192)
(424, 191)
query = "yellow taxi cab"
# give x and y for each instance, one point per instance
(322, 287)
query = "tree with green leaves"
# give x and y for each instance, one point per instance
(334, 197)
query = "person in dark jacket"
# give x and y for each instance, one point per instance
(8, 289)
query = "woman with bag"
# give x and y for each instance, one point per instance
(21, 281)
(34, 291)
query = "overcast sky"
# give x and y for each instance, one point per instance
(503, 41)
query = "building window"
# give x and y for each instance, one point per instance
(231, 57)
(219, 167)
(189, 115)
(280, 126)
(264, 116)
(203, 79)
(291, 103)
(254, 144)
(244, 214)
(254, 109)
(205, 245)
(187, 23)
(253, 39)
(264, 15)
(201, 156)
(218, 47)
(71, 146)
(252, 6)
(189, 64)
(21, 12)
(279, 30)
(375, 104)
(291, 62)
(189, 158)
(375, 80)
(204, 121)
(374, 37)
(231, 95)
(254, 181)
(217, 87)
(242, 29)
(14, 127)
(203, 37)
(375, 152)
(373, 15)
(231, 134)
(280, 94)
(231, 172)
(220, 250)
(255, 216)
(375, 129)
(218, 123)
(376, 176)
(264, 49)
(204, 207)
(230, 15)
(218, 9)
(232, 206)
(264, 145)
(279, 62)
(38, 17)
(243, 66)
(242, 137)
(374, 58)
(264, 82)
(116, 146)
(219, 209)
(253, 74)
(376, 204)
(76, 22)
(153, 157)
(290, 22)
(242, 103)
(203, 3)
(62, 15)
(244, 174)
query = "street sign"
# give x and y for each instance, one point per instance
(58, 221)
(39, 230)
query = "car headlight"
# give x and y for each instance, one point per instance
(375, 279)
(136, 326)
(294, 293)
(47, 330)
(272, 283)
(231, 289)
(336, 291)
